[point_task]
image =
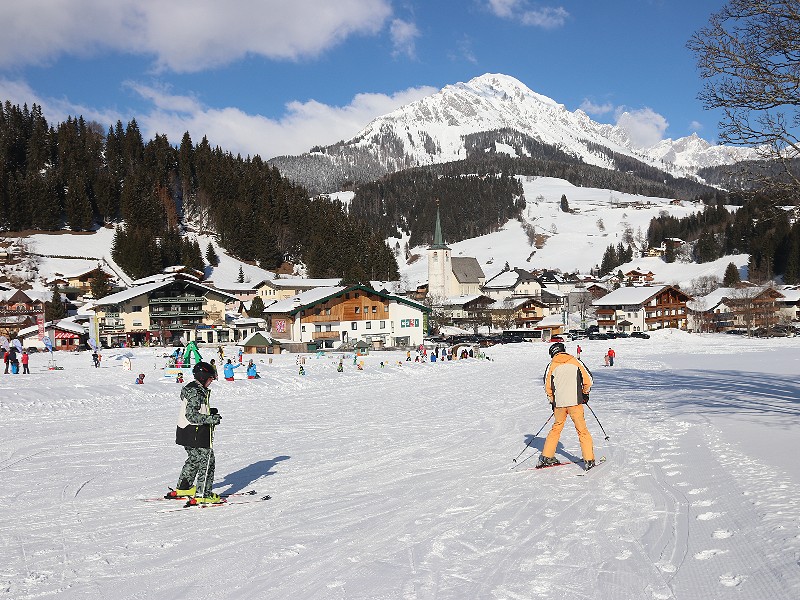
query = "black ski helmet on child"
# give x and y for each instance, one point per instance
(203, 371)
(557, 348)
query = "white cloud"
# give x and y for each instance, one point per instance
(546, 18)
(503, 8)
(644, 126)
(183, 35)
(592, 108)
(404, 35)
(695, 126)
(522, 11)
(304, 124)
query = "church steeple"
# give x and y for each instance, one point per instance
(438, 239)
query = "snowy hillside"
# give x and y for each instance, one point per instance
(577, 240)
(432, 130)
(410, 493)
(48, 251)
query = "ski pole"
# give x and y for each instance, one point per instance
(533, 438)
(598, 421)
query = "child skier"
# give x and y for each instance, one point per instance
(179, 377)
(140, 379)
(252, 372)
(227, 370)
(195, 432)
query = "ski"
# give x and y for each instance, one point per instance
(189, 505)
(168, 497)
(598, 462)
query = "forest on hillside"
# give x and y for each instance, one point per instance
(77, 175)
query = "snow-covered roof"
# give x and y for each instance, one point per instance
(629, 295)
(138, 290)
(506, 279)
(64, 324)
(299, 282)
(461, 300)
(303, 299)
(550, 321)
(719, 295)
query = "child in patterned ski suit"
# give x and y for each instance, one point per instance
(195, 432)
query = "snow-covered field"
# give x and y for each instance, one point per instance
(576, 241)
(396, 482)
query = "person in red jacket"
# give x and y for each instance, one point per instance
(567, 383)
(611, 355)
(24, 360)
(6, 359)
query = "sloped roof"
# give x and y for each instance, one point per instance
(257, 338)
(138, 290)
(467, 269)
(315, 296)
(632, 295)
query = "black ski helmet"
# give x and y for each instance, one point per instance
(557, 348)
(203, 371)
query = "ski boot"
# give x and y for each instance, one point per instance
(211, 498)
(183, 491)
(589, 464)
(547, 461)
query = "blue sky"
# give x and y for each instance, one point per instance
(274, 77)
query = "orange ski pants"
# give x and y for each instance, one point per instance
(584, 437)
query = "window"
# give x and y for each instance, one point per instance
(136, 308)
(357, 309)
(303, 328)
(354, 325)
(383, 324)
(374, 309)
(369, 324)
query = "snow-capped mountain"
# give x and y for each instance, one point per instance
(435, 130)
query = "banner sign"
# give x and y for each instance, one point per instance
(409, 322)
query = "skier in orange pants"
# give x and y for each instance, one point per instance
(567, 383)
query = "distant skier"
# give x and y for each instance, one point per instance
(195, 432)
(179, 377)
(567, 383)
(96, 359)
(227, 370)
(25, 359)
(140, 379)
(611, 355)
(6, 360)
(214, 366)
(252, 372)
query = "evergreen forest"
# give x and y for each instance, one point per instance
(77, 175)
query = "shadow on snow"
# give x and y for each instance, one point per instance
(245, 477)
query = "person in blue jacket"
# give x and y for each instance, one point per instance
(227, 370)
(251, 371)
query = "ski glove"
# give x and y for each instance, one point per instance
(553, 406)
(584, 398)
(213, 411)
(215, 419)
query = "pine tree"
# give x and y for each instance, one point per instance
(256, 308)
(731, 276)
(54, 309)
(564, 203)
(211, 255)
(240, 277)
(100, 284)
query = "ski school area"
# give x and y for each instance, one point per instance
(399, 481)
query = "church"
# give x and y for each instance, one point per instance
(451, 276)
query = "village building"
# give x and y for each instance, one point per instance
(468, 311)
(332, 317)
(644, 308)
(512, 283)
(281, 288)
(77, 285)
(518, 313)
(449, 275)
(637, 277)
(163, 312)
(743, 307)
(19, 309)
(65, 334)
(260, 343)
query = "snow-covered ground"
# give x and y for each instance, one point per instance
(576, 241)
(396, 482)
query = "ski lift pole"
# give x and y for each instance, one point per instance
(534, 437)
(598, 421)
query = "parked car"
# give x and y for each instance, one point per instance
(621, 334)
(556, 338)
(598, 336)
(640, 334)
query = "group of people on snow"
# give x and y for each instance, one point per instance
(12, 363)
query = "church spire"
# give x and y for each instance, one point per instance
(438, 239)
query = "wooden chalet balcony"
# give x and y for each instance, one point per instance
(321, 319)
(178, 300)
(325, 335)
